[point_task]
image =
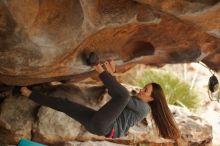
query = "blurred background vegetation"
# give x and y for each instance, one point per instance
(177, 90)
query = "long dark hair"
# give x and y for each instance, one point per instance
(162, 115)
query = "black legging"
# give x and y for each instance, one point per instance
(98, 122)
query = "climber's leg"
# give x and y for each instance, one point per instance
(102, 121)
(79, 112)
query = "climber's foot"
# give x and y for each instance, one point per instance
(25, 91)
(16, 91)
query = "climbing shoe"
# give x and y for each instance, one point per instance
(16, 91)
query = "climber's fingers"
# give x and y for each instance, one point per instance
(112, 65)
(108, 67)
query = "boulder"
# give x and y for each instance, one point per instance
(53, 127)
(17, 116)
(44, 41)
(194, 129)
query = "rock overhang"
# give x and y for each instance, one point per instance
(47, 43)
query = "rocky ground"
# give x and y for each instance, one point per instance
(208, 110)
(211, 112)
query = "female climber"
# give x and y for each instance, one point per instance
(119, 114)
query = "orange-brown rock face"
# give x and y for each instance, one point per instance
(42, 41)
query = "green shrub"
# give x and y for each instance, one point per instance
(176, 90)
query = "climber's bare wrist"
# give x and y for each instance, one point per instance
(99, 68)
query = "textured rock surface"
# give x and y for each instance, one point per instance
(106, 143)
(194, 129)
(91, 143)
(19, 118)
(16, 118)
(211, 112)
(43, 41)
(53, 126)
